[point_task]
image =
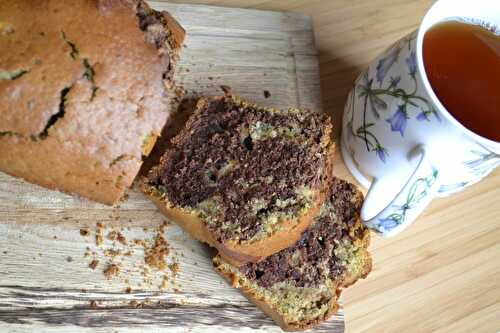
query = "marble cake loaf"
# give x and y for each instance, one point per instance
(85, 90)
(245, 179)
(299, 287)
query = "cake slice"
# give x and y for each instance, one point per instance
(245, 179)
(85, 90)
(299, 287)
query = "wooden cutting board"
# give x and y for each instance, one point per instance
(46, 284)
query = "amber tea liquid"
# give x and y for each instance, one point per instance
(462, 62)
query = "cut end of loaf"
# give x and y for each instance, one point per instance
(243, 169)
(77, 117)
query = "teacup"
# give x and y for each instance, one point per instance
(399, 141)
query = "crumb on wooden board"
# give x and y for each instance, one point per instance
(157, 265)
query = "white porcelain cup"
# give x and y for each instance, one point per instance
(399, 141)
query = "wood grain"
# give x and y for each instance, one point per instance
(46, 284)
(249, 51)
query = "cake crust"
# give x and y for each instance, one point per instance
(79, 115)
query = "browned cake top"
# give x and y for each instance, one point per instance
(315, 256)
(241, 165)
(88, 74)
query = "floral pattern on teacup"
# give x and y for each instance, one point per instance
(416, 193)
(411, 103)
(481, 162)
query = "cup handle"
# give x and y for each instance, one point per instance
(415, 195)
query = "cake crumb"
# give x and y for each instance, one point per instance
(174, 268)
(84, 232)
(267, 94)
(180, 92)
(112, 253)
(163, 226)
(111, 270)
(93, 304)
(140, 242)
(153, 266)
(98, 239)
(227, 90)
(135, 304)
(121, 239)
(164, 283)
(155, 256)
(93, 264)
(112, 235)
